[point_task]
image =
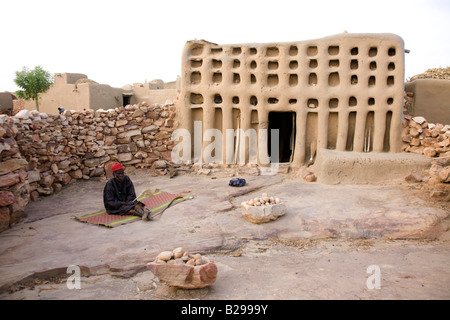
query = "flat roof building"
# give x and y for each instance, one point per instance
(342, 92)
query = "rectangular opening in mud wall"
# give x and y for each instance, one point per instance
(254, 120)
(196, 77)
(285, 123)
(311, 133)
(216, 63)
(312, 80)
(217, 77)
(351, 131)
(387, 132)
(236, 78)
(272, 52)
(196, 98)
(218, 120)
(333, 79)
(293, 80)
(126, 100)
(196, 63)
(369, 131)
(332, 130)
(272, 80)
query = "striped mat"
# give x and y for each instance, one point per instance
(156, 202)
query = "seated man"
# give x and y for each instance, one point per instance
(119, 196)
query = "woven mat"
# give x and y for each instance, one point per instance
(156, 202)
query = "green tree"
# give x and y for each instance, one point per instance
(33, 82)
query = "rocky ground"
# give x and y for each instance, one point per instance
(326, 246)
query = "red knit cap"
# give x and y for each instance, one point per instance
(116, 166)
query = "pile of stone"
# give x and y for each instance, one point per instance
(14, 186)
(422, 137)
(179, 256)
(439, 171)
(433, 141)
(436, 180)
(81, 144)
(181, 269)
(264, 200)
(263, 209)
(434, 73)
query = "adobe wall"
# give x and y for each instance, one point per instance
(71, 94)
(102, 96)
(6, 102)
(155, 91)
(338, 87)
(63, 93)
(431, 99)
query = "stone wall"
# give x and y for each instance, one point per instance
(433, 141)
(14, 186)
(40, 153)
(423, 137)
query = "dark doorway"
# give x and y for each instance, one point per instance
(285, 123)
(126, 100)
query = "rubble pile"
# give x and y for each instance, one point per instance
(181, 269)
(263, 209)
(264, 200)
(178, 256)
(429, 139)
(433, 141)
(40, 153)
(433, 73)
(436, 180)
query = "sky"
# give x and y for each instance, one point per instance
(119, 42)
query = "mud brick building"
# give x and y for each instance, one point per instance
(343, 92)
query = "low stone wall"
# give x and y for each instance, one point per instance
(421, 137)
(40, 153)
(14, 186)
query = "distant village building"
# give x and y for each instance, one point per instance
(7, 102)
(430, 99)
(342, 92)
(75, 91)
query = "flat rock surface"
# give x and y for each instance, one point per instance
(281, 259)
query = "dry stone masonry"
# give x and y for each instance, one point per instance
(344, 92)
(433, 141)
(40, 153)
(14, 185)
(430, 139)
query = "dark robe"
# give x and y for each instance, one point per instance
(116, 192)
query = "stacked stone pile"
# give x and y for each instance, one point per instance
(179, 256)
(434, 73)
(433, 141)
(54, 149)
(422, 137)
(182, 269)
(14, 186)
(263, 209)
(436, 180)
(264, 200)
